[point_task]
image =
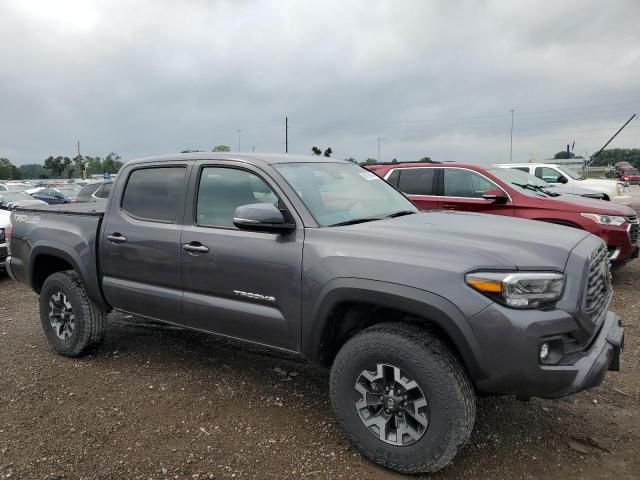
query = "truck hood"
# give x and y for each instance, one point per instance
(459, 241)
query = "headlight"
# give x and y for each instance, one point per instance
(518, 290)
(605, 219)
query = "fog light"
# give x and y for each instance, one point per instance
(544, 351)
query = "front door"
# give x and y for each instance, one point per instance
(140, 246)
(462, 189)
(239, 283)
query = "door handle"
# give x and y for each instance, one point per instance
(116, 238)
(449, 206)
(195, 247)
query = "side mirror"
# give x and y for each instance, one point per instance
(495, 195)
(562, 179)
(261, 217)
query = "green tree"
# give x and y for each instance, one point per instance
(93, 165)
(57, 165)
(8, 171)
(564, 155)
(111, 163)
(370, 161)
(328, 152)
(221, 148)
(32, 170)
(316, 151)
(351, 159)
(426, 159)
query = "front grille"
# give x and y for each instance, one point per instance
(633, 229)
(599, 291)
(2, 239)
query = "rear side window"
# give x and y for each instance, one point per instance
(416, 181)
(155, 194)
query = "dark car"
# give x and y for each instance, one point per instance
(52, 196)
(502, 191)
(95, 192)
(414, 312)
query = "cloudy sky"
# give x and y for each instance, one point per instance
(429, 78)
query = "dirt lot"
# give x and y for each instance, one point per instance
(157, 402)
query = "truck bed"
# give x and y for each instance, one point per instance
(90, 209)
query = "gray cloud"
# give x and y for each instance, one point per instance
(430, 78)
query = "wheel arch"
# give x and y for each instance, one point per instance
(46, 259)
(348, 305)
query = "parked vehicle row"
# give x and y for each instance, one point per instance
(512, 192)
(412, 311)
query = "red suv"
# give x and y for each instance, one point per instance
(500, 191)
(631, 175)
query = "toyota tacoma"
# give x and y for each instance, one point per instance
(414, 313)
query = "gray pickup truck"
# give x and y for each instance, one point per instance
(413, 312)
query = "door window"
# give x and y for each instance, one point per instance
(155, 194)
(549, 175)
(416, 181)
(465, 183)
(222, 190)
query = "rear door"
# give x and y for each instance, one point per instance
(140, 246)
(239, 283)
(462, 189)
(419, 184)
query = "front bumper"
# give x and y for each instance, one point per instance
(514, 368)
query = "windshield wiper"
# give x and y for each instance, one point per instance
(400, 213)
(536, 188)
(354, 221)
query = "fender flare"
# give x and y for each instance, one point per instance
(89, 279)
(422, 304)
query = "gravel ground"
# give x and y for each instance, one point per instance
(158, 402)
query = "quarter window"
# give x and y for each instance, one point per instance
(155, 194)
(222, 190)
(465, 183)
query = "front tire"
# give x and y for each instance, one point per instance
(402, 397)
(72, 323)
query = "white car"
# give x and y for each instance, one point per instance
(551, 173)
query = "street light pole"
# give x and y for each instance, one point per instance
(511, 141)
(239, 131)
(379, 140)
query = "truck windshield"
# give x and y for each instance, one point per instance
(570, 173)
(524, 182)
(342, 193)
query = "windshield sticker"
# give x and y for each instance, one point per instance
(368, 175)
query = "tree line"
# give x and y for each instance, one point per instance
(60, 166)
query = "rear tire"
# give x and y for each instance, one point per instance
(72, 323)
(419, 437)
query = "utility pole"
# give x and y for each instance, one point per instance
(511, 142)
(379, 140)
(82, 167)
(286, 134)
(239, 131)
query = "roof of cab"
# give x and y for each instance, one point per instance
(254, 158)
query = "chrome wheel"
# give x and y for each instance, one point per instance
(392, 405)
(61, 315)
